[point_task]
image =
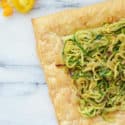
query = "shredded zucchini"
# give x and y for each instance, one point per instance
(95, 59)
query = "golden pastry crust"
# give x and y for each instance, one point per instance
(49, 31)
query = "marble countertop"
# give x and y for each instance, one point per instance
(24, 98)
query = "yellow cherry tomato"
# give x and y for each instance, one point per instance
(7, 11)
(7, 8)
(3, 3)
(23, 6)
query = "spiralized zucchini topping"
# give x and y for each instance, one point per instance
(95, 59)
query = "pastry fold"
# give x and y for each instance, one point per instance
(49, 31)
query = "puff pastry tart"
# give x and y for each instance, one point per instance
(82, 53)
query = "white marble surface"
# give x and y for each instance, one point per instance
(24, 98)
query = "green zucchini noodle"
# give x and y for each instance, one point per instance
(95, 59)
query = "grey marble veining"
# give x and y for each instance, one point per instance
(24, 98)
